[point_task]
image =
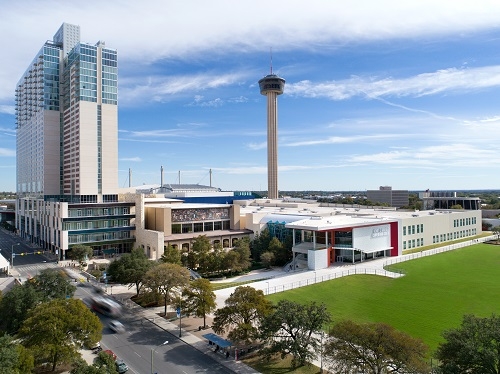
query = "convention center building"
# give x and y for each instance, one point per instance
(323, 234)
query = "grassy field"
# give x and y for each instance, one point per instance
(279, 366)
(433, 296)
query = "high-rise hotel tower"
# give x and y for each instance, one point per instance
(67, 148)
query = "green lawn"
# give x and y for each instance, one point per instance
(433, 295)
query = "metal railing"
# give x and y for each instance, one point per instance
(361, 270)
(326, 277)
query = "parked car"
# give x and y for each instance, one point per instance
(111, 353)
(121, 366)
(116, 326)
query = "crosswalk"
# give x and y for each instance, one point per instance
(27, 271)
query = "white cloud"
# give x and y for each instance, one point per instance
(133, 159)
(5, 152)
(342, 139)
(8, 109)
(165, 88)
(257, 146)
(148, 31)
(443, 156)
(419, 85)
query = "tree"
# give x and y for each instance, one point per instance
(456, 206)
(294, 329)
(374, 348)
(80, 366)
(199, 298)
(26, 361)
(171, 255)
(80, 253)
(242, 314)
(52, 284)
(281, 253)
(217, 258)
(230, 261)
(242, 249)
(14, 358)
(55, 330)
(200, 250)
(260, 244)
(473, 348)
(107, 362)
(131, 268)
(15, 305)
(496, 231)
(165, 278)
(267, 259)
(9, 356)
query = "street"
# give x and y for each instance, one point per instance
(143, 340)
(26, 259)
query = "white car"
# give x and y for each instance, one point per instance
(116, 326)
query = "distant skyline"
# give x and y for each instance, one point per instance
(387, 93)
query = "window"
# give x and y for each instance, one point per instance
(404, 231)
(421, 228)
(413, 229)
(418, 229)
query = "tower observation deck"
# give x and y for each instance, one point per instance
(272, 86)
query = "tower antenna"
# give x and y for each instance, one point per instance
(271, 53)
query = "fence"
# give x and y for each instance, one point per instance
(326, 277)
(362, 270)
(431, 252)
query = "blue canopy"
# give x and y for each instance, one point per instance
(216, 339)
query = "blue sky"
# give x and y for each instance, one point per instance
(396, 93)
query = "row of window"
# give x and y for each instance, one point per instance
(85, 225)
(97, 212)
(98, 237)
(200, 227)
(464, 222)
(89, 72)
(225, 244)
(453, 235)
(413, 243)
(411, 229)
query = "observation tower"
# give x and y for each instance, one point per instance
(272, 86)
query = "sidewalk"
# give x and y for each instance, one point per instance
(190, 332)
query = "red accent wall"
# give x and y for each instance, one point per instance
(394, 239)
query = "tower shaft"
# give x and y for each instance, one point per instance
(272, 86)
(272, 145)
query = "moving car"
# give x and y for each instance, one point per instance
(116, 326)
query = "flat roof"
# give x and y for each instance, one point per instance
(333, 222)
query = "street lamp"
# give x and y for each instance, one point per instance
(267, 287)
(12, 255)
(153, 350)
